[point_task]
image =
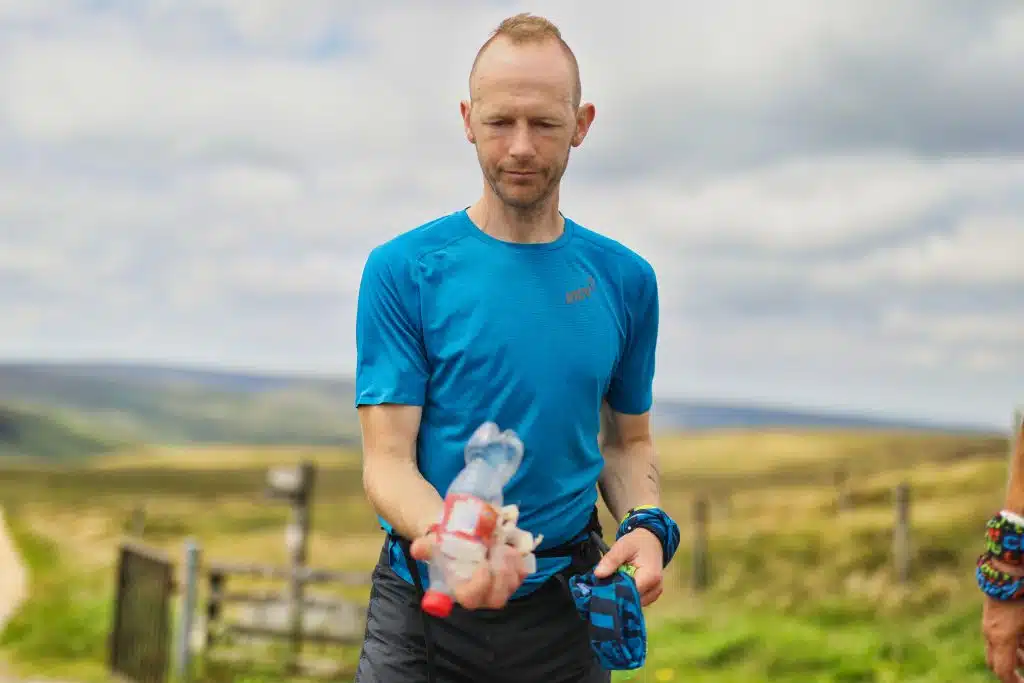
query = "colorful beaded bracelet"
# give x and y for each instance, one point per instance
(997, 584)
(1004, 538)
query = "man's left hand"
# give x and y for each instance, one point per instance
(642, 549)
(1003, 628)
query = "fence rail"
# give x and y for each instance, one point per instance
(307, 575)
(901, 555)
(324, 619)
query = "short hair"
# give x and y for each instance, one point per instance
(526, 28)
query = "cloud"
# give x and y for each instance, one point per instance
(831, 193)
(982, 250)
(736, 83)
(818, 204)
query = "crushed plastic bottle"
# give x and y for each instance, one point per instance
(471, 521)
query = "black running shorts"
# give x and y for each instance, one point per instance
(539, 638)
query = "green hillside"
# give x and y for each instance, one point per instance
(160, 406)
(30, 434)
(802, 589)
(180, 406)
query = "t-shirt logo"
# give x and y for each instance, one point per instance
(582, 293)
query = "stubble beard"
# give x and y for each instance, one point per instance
(527, 207)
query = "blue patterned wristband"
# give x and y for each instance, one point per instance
(658, 523)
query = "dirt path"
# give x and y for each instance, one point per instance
(13, 582)
(13, 588)
(13, 576)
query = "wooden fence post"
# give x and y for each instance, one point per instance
(298, 547)
(841, 482)
(700, 545)
(188, 607)
(901, 533)
(214, 604)
(137, 521)
(294, 485)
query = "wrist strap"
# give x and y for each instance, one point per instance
(658, 522)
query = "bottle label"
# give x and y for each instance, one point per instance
(469, 516)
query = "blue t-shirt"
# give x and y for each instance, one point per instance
(530, 336)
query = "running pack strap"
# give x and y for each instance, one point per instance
(574, 548)
(414, 569)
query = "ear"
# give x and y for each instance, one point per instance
(584, 118)
(466, 110)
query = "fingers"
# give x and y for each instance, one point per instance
(508, 575)
(647, 579)
(494, 581)
(650, 584)
(651, 596)
(616, 556)
(1019, 663)
(472, 593)
(518, 564)
(422, 548)
(1004, 661)
(503, 584)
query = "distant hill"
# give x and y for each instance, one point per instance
(169, 405)
(680, 415)
(26, 433)
(174, 405)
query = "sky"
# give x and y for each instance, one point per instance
(831, 194)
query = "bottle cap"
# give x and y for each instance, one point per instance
(437, 604)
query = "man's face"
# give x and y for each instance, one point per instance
(522, 120)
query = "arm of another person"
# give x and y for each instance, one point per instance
(391, 377)
(630, 476)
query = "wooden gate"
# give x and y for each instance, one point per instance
(140, 640)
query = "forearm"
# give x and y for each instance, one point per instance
(1014, 502)
(399, 494)
(630, 476)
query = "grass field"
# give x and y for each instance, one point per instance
(801, 591)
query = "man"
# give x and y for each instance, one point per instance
(510, 312)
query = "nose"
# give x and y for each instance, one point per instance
(521, 144)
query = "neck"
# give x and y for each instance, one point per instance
(530, 226)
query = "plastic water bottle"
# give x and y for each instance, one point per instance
(470, 518)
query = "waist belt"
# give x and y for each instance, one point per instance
(575, 549)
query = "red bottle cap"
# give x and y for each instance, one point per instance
(437, 604)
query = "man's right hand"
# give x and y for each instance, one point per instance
(494, 581)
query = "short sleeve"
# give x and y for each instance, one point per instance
(391, 364)
(631, 390)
